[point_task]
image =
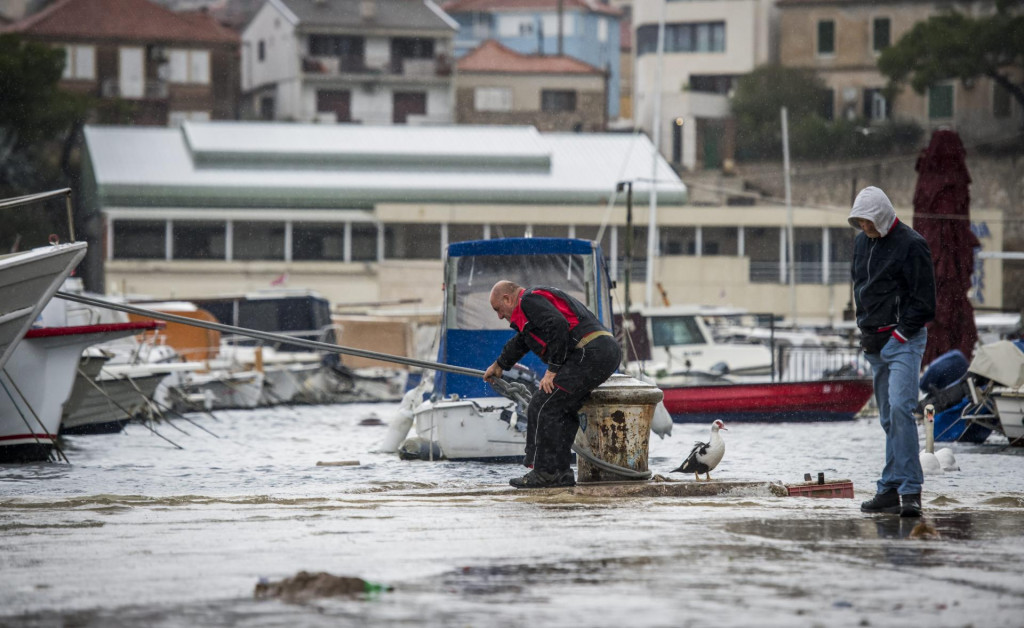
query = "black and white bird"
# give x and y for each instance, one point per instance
(705, 456)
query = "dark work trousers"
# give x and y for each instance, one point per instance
(552, 419)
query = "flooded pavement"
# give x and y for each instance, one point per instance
(135, 532)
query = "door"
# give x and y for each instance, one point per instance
(406, 103)
(131, 73)
(338, 102)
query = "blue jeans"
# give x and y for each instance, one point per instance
(896, 371)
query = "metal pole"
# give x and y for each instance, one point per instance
(789, 218)
(270, 337)
(652, 212)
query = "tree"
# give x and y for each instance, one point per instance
(758, 98)
(953, 45)
(36, 121)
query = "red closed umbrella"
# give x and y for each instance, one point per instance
(942, 214)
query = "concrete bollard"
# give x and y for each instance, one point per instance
(617, 418)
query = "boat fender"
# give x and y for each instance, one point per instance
(661, 423)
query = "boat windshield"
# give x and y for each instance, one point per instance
(476, 274)
(676, 330)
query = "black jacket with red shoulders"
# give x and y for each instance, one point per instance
(550, 323)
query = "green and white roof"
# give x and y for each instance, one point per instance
(267, 164)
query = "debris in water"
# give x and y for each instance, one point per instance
(337, 463)
(305, 586)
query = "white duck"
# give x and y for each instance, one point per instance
(930, 464)
(705, 456)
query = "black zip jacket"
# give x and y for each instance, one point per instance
(893, 282)
(550, 323)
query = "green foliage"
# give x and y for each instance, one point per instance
(33, 108)
(955, 46)
(758, 99)
(36, 118)
(814, 138)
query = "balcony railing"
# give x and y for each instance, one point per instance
(764, 272)
(151, 90)
(414, 68)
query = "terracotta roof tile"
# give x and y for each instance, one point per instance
(462, 6)
(491, 56)
(122, 19)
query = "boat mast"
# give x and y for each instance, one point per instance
(652, 212)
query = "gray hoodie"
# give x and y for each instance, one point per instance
(875, 206)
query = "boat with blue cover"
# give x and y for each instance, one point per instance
(465, 418)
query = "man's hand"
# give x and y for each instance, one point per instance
(547, 383)
(493, 372)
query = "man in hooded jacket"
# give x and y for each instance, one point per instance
(894, 292)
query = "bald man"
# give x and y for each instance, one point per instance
(580, 355)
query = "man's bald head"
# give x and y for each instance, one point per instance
(504, 296)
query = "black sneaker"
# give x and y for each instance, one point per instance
(887, 502)
(911, 505)
(544, 479)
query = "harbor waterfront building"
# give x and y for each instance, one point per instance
(363, 214)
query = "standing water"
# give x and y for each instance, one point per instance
(136, 532)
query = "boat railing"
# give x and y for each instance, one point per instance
(803, 363)
(29, 199)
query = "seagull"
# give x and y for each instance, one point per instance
(705, 456)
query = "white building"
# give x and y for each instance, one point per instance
(708, 43)
(368, 61)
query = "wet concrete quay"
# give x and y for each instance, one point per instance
(135, 533)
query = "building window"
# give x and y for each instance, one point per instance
(176, 118)
(516, 26)
(827, 105)
(492, 99)
(549, 25)
(1001, 101)
(139, 239)
(875, 106)
(257, 241)
(267, 108)
(940, 102)
(412, 241)
(553, 100)
(336, 46)
(676, 241)
(826, 38)
(711, 83)
(463, 233)
(189, 66)
(261, 50)
(80, 62)
(881, 34)
(364, 242)
(198, 240)
(689, 37)
(318, 242)
(602, 30)
(338, 102)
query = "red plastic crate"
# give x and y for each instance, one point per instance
(835, 488)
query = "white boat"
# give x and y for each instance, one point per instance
(37, 381)
(466, 419)
(27, 282)
(1010, 407)
(1000, 367)
(218, 390)
(676, 341)
(102, 401)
